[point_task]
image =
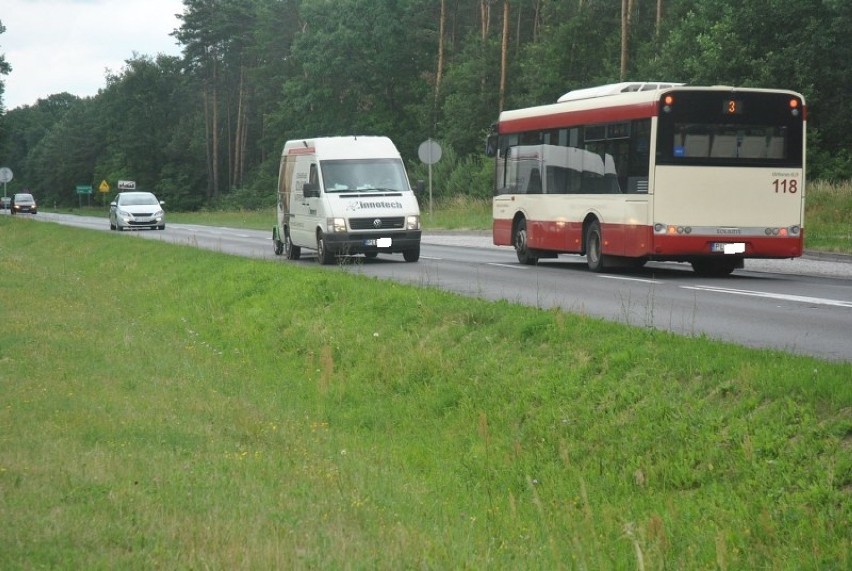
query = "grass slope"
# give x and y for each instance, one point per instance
(162, 406)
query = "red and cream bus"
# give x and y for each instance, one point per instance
(632, 172)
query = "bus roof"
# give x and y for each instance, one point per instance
(603, 104)
(614, 89)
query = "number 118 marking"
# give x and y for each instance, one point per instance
(786, 186)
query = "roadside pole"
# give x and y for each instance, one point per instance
(429, 153)
(5, 176)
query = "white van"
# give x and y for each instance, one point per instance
(345, 195)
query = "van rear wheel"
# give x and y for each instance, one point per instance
(324, 257)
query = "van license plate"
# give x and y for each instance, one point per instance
(728, 248)
(379, 242)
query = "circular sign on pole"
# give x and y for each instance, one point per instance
(429, 152)
(5, 174)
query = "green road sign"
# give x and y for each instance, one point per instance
(84, 189)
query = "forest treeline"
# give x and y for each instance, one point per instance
(206, 129)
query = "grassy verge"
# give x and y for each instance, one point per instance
(169, 407)
(828, 217)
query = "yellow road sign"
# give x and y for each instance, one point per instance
(104, 187)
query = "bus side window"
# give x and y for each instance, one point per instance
(636, 180)
(534, 184)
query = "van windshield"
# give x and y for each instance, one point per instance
(364, 175)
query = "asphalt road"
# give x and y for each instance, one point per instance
(803, 306)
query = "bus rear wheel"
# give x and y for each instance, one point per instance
(594, 247)
(519, 240)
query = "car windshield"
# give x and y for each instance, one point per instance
(138, 200)
(24, 198)
(364, 175)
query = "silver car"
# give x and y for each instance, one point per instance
(136, 210)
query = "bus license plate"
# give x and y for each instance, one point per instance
(379, 242)
(728, 248)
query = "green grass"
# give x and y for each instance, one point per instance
(162, 406)
(828, 217)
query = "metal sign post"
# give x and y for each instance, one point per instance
(84, 189)
(429, 153)
(5, 176)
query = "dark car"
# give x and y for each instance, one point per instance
(24, 203)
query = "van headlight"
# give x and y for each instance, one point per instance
(412, 223)
(336, 224)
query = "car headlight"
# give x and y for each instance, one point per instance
(336, 224)
(412, 223)
(159, 214)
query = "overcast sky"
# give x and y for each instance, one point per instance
(67, 45)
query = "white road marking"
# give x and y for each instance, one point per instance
(777, 296)
(642, 280)
(510, 266)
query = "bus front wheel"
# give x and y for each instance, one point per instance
(520, 242)
(594, 247)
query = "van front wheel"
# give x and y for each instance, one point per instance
(411, 255)
(324, 257)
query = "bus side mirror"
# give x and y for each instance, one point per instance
(491, 145)
(310, 190)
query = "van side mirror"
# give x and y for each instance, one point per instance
(420, 187)
(310, 190)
